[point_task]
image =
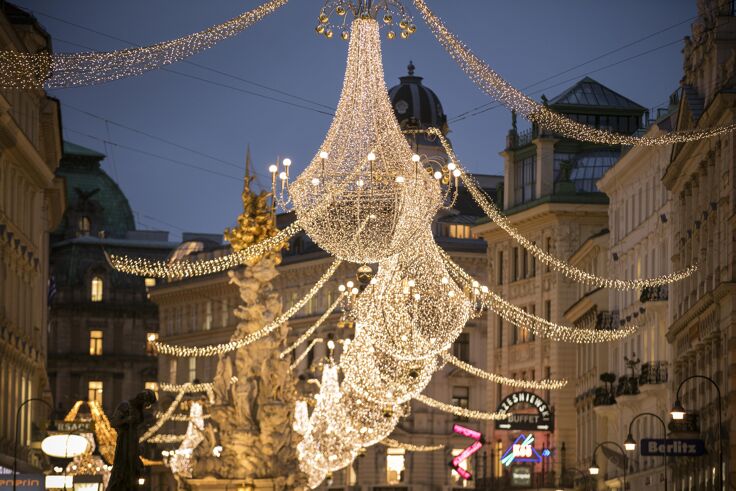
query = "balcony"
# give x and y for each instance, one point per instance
(654, 294)
(627, 386)
(602, 396)
(653, 373)
(607, 321)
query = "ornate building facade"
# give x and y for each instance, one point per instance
(101, 320)
(700, 179)
(199, 311)
(31, 205)
(550, 195)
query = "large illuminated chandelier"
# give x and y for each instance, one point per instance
(336, 15)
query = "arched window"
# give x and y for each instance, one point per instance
(96, 289)
(84, 226)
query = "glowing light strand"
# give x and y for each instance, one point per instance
(306, 352)
(182, 269)
(539, 326)
(166, 438)
(460, 411)
(575, 274)
(35, 70)
(234, 344)
(308, 333)
(497, 87)
(410, 447)
(500, 379)
(163, 419)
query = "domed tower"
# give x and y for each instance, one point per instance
(416, 106)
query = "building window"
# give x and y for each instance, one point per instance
(207, 316)
(94, 391)
(95, 343)
(525, 180)
(192, 369)
(548, 250)
(150, 282)
(151, 338)
(515, 264)
(459, 231)
(457, 479)
(152, 386)
(548, 310)
(500, 332)
(461, 347)
(84, 226)
(96, 288)
(395, 465)
(461, 398)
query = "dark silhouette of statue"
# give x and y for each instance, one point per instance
(127, 420)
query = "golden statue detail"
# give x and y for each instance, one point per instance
(258, 220)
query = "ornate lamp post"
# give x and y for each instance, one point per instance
(630, 443)
(594, 470)
(678, 413)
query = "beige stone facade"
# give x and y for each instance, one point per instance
(31, 204)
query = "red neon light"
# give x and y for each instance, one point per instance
(465, 454)
(461, 430)
(463, 473)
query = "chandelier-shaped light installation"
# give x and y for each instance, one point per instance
(494, 85)
(378, 193)
(336, 15)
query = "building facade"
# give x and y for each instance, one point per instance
(700, 179)
(100, 319)
(617, 382)
(199, 311)
(31, 205)
(550, 196)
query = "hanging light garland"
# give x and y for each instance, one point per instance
(514, 314)
(104, 433)
(180, 462)
(184, 269)
(190, 388)
(232, 345)
(309, 348)
(500, 379)
(163, 419)
(494, 85)
(380, 196)
(410, 447)
(366, 422)
(575, 274)
(460, 411)
(37, 70)
(308, 333)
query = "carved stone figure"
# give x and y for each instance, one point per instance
(127, 420)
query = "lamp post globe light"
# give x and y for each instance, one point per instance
(630, 443)
(678, 413)
(594, 470)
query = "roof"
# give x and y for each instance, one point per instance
(415, 104)
(91, 193)
(590, 93)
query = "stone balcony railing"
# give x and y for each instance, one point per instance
(654, 372)
(654, 294)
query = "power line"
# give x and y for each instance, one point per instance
(596, 58)
(493, 105)
(189, 62)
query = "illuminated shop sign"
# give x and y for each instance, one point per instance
(478, 441)
(541, 420)
(523, 451)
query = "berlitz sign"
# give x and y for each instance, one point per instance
(652, 447)
(541, 420)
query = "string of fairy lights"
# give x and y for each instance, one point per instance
(575, 274)
(500, 379)
(163, 419)
(410, 447)
(19, 70)
(234, 344)
(460, 411)
(497, 87)
(308, 333)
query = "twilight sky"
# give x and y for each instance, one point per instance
(215, 116)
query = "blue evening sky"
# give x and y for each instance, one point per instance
(525, 40)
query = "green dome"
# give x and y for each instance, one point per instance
(95, 203)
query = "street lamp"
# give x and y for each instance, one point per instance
(678, 413)
(594, 470)
(630, 443)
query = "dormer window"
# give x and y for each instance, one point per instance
(525, 180)
(83, 226)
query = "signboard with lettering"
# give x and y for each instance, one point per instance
(75, 426)
(521, 476)
(672, 447)
(23, 482)
(522, 450)
(540, 420)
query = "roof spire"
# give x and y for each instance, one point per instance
(411, 68)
